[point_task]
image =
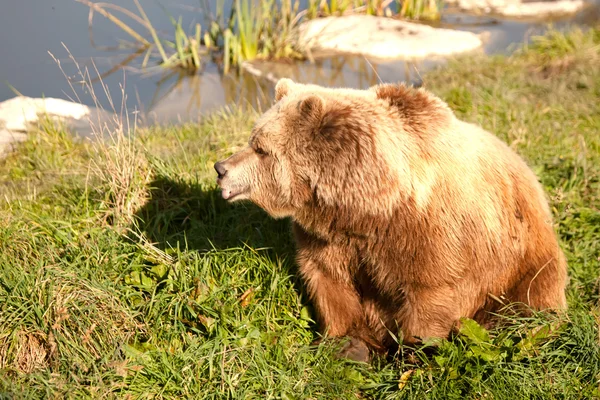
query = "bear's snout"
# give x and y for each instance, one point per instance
(231, 180)
(221, 170)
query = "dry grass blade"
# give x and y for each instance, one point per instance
(126, 28)
(157, 42)
(25, 351)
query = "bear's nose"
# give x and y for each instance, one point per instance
(221, 170)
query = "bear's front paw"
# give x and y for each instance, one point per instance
(355, 350)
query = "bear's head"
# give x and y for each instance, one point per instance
(314, 144)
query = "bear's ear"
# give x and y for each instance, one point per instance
(283, 88)
(312, 108)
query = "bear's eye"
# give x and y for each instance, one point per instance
(260, 151)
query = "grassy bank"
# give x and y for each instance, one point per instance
(123, 274)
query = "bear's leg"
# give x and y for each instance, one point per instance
(337, 303)
(427, 312)
(326, 271)
(544, 287)
(339, 310)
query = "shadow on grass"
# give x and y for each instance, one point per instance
(179, 214)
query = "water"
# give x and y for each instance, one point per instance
(30, 29)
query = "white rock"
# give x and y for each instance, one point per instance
(518, 8)
(542, 8)
(384, 38)
(19, 114)
(8, 139)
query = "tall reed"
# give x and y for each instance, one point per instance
(254, 29)
(421, 9)
(182, 51)
(409, 9)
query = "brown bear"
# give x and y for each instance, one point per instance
(406, 218)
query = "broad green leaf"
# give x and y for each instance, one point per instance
(473, 331)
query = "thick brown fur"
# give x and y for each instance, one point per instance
(405, 217)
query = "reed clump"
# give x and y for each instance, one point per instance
(253, 29)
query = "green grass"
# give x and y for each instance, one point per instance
(421, 9)
(124, 275)
(326, 8)
(406, 9)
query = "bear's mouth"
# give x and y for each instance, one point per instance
(230, 190)
(233, 193)
(229, 194)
